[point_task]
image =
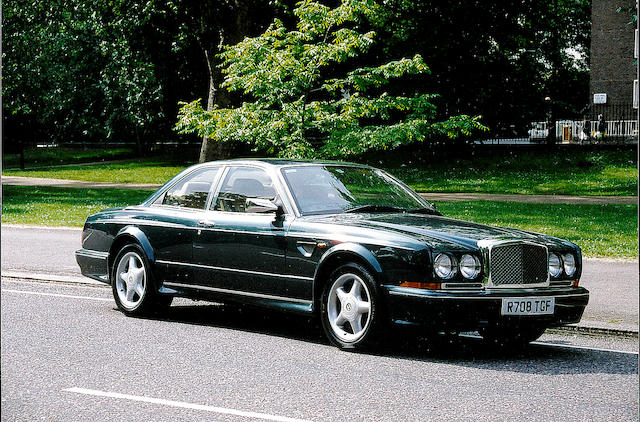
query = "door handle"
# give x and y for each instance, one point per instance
(207, 223)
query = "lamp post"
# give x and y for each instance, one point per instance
(551, 122)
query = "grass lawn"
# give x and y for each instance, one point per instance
(563, 172)
(600, 230)
(50, 206)
(567, 172)
(609, 231)
(127, 172)
(36, 157)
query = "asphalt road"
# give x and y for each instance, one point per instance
(613, 284)
(67, 354)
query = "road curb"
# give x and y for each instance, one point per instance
(615, 332)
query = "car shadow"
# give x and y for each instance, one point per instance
(407, 343)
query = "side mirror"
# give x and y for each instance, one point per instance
(279, 210)
(262, 206)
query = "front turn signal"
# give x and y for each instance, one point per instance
(575, 283)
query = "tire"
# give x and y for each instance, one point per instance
(350, 308)
(511, 336)
(132, 283)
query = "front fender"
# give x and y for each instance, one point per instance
(338, 254)
(139, 236)
(350, 248)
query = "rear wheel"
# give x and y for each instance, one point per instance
(349, 307)
(511, 336)
(132, 285)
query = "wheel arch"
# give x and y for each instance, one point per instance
(128, 235)
(339, 255)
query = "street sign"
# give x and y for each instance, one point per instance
(599, 98)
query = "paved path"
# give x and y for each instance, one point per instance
(431, 196)
(64, 183)
(536, 199)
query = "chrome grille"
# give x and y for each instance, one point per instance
(520, 263)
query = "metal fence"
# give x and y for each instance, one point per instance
(598, 123)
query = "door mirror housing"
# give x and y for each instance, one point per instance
(261, 206)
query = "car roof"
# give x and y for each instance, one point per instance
(280, 162)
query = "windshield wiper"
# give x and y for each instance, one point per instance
(429, 211)
(375, 208)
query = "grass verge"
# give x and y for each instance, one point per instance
(50, 206)
(128, 172)
(571, 172)
(560, 172)
(607, 231)
(601, 230)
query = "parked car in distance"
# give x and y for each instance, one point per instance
(347, 242)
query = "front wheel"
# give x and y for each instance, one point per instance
(132, 285)
(349, 307)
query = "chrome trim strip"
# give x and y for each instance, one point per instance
(237, 292)
(403, 293)
(209, 267)
(92, 254)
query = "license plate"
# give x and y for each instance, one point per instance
(528, 306)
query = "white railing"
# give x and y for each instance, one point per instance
(573, 130)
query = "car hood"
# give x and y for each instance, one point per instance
(436, 231)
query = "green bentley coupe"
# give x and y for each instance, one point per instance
(347, 242)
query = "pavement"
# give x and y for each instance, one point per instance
(47, 254)
(64, 183)
(430, 196)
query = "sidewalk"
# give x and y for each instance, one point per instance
(81, 184)
(430, 196)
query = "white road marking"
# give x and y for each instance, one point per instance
(184, 405)
(27, 292)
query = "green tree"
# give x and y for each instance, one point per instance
(77, 71)
(212, 24)
(302, 98)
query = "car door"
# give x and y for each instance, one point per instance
(241, 248)
(174, 221)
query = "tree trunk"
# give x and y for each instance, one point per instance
(212, 149)
(232, 32)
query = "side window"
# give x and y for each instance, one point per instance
(240, 184)
(192, 191)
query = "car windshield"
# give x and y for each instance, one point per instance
(330, 189)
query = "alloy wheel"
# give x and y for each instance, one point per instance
(349, 307)
(131, 280)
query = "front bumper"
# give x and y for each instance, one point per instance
(470, 310)
(93, 264)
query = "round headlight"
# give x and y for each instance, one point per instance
(569, 264)
(469, 266)
(444, 266)
(555, 265)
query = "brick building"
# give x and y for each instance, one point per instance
(613, 65)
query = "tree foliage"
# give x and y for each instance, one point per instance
(302, 99)
(74, 68)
